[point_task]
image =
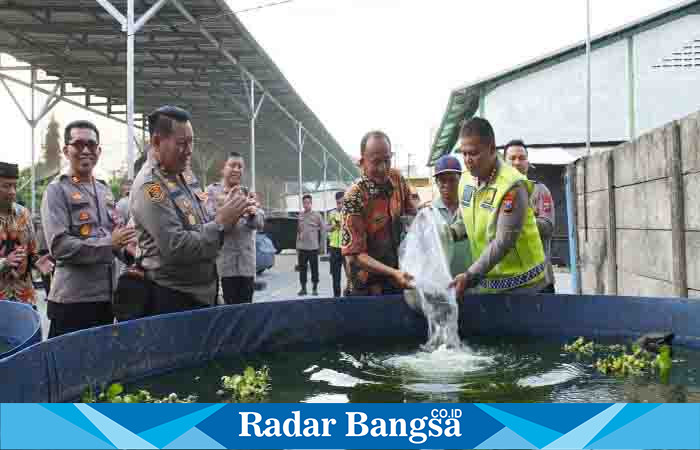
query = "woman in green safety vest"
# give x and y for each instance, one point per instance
(503, 236)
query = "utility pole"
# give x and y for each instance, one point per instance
(408, 168)
(588, 77)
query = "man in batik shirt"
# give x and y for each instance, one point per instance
(18, 244)
(373, 209)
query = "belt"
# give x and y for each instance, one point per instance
(502, 284)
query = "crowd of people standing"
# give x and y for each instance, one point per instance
(170, 244)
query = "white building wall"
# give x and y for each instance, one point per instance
(549, 106)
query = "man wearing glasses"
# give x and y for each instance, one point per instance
(515, 153)
(83, 237)
(178, 243)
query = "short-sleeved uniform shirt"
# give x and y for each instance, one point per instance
(543, 206)
(371, 224)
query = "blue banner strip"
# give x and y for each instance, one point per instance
(357, 426)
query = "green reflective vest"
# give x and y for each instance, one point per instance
(524, 264)
(334, 219)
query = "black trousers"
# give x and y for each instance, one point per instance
(238, 290)
(46, 281)
(336, 269)
(308, 257)
(164, 300)
(69, 317)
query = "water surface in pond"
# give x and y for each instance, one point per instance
(491, 370)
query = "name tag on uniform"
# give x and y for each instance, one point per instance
(489, 196)
(467, 194)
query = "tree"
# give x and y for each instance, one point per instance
(52, 146)
(115, 182)
(24, 188)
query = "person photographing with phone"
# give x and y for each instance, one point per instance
(236, 261)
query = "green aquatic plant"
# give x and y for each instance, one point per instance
(625, 364)
(663, 363)
(114, 393)
(637, 362)
(580, 346)
(251, 386)
(616, 360)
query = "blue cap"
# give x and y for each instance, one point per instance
(446, 164)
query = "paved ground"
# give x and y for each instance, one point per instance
(283, 282)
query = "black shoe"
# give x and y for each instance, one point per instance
(302, 292)
(314, 291)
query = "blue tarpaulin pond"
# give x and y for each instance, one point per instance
(58, 370)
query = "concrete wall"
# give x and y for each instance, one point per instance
(637, 217)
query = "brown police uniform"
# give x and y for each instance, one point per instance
(78, 220)
(177, 241)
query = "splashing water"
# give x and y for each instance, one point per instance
(442, 314)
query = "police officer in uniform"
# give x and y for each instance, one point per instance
(83, 236)
(499, 223)
(177, 241)
(237, 260)
(516, 154)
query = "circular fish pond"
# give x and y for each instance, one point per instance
(20, 327)
(488, 370)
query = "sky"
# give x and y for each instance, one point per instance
(377, 64)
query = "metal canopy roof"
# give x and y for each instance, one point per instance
(192, 53)
(466, 100)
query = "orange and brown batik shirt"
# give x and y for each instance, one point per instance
(371, 224)
(16, 229)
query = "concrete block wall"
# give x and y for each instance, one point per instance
(637, 217)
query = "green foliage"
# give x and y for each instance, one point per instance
(24, 187)
(580, 346)
(617, 360)
(115, 183)
(115, 394)
(251, 386)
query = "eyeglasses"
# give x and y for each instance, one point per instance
(80, 145)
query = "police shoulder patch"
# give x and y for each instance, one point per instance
(154, 192)
(508, 202)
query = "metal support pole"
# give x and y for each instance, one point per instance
(148, 15)
(300, 138)
(325, 195)
(32, 126)
(130, 31)
(114, 12)
(252, 136)
(254, 111)
(143, 134)
(572, 228)
(588, 77)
